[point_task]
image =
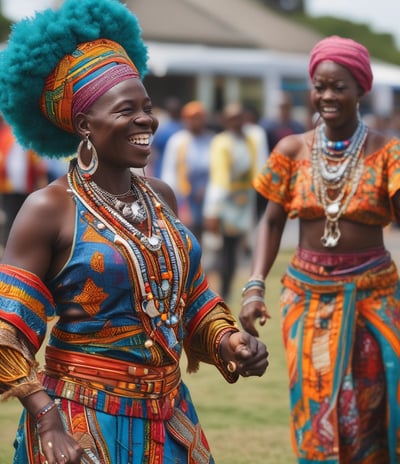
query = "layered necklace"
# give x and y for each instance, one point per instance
(160, 271)
(135, 212)
(337, 167)
(129, 214)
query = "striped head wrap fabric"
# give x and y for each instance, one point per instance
(83, 76)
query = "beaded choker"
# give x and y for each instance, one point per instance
(336, 179)
(336, 145)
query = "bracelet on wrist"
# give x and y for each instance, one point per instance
(42, 412)
(220, 336)
(253, 283)
(252, 299)
(231, 366)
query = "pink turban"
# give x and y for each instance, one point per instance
(346, 52)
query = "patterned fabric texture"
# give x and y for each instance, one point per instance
(342, 345)
(115, 373)
(289, 183)
(108, 439)
(81, 77)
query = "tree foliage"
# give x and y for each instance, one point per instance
(5, 25)
(381, 46)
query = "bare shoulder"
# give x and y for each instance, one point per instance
(376, 141)
(296, 146)
(164, 191)
(48, 202)
(35, 235)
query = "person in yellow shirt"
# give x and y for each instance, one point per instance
(230, 205)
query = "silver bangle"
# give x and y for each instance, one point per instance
(252, 298)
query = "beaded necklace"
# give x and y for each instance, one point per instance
(134, 212)
(160, 264)
(336, 147)
(336, 180)
(151, 242)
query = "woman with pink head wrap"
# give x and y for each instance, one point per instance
(341, 293)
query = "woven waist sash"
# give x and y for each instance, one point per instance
(69, 374)
(340, 263)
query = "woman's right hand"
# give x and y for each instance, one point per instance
(253, 309)
(57, 445)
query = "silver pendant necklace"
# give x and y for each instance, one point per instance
(341, 179)
(134, 212)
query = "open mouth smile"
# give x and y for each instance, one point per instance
(141, 139)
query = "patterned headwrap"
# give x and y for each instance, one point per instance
(59, 62)
(83, 76)
(346, 52)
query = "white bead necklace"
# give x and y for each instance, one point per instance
(335, 183)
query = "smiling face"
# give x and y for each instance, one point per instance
(335, 94)
(121, 125)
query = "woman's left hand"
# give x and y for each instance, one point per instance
(244, 354)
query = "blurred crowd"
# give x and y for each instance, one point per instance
(208, 159)
(21, 172)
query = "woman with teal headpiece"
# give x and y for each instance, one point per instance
(103, 250)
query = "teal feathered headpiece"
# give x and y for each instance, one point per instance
(36, 45)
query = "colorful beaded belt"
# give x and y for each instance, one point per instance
(120, 377)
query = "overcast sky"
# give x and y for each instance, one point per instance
(17, 9)
(382, 15)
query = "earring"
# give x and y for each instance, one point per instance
(91, 168)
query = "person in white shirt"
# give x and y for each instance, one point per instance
(186, 165)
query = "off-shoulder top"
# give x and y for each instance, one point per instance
(288, 182)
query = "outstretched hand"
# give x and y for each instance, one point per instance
(245, 354)
(250, 313)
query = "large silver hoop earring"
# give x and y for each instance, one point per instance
(90, 168)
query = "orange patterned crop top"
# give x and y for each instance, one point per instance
(289, 183)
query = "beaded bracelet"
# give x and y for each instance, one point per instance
(231, 366)
(49, 406)
(253, 283)
(253, 298)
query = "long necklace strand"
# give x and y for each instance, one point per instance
(340, 177)
(160, 301)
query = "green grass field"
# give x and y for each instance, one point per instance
(245, 423)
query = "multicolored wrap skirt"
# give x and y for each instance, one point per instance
(341, 334)
(118, 439)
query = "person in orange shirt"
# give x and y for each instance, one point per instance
(21, 172)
